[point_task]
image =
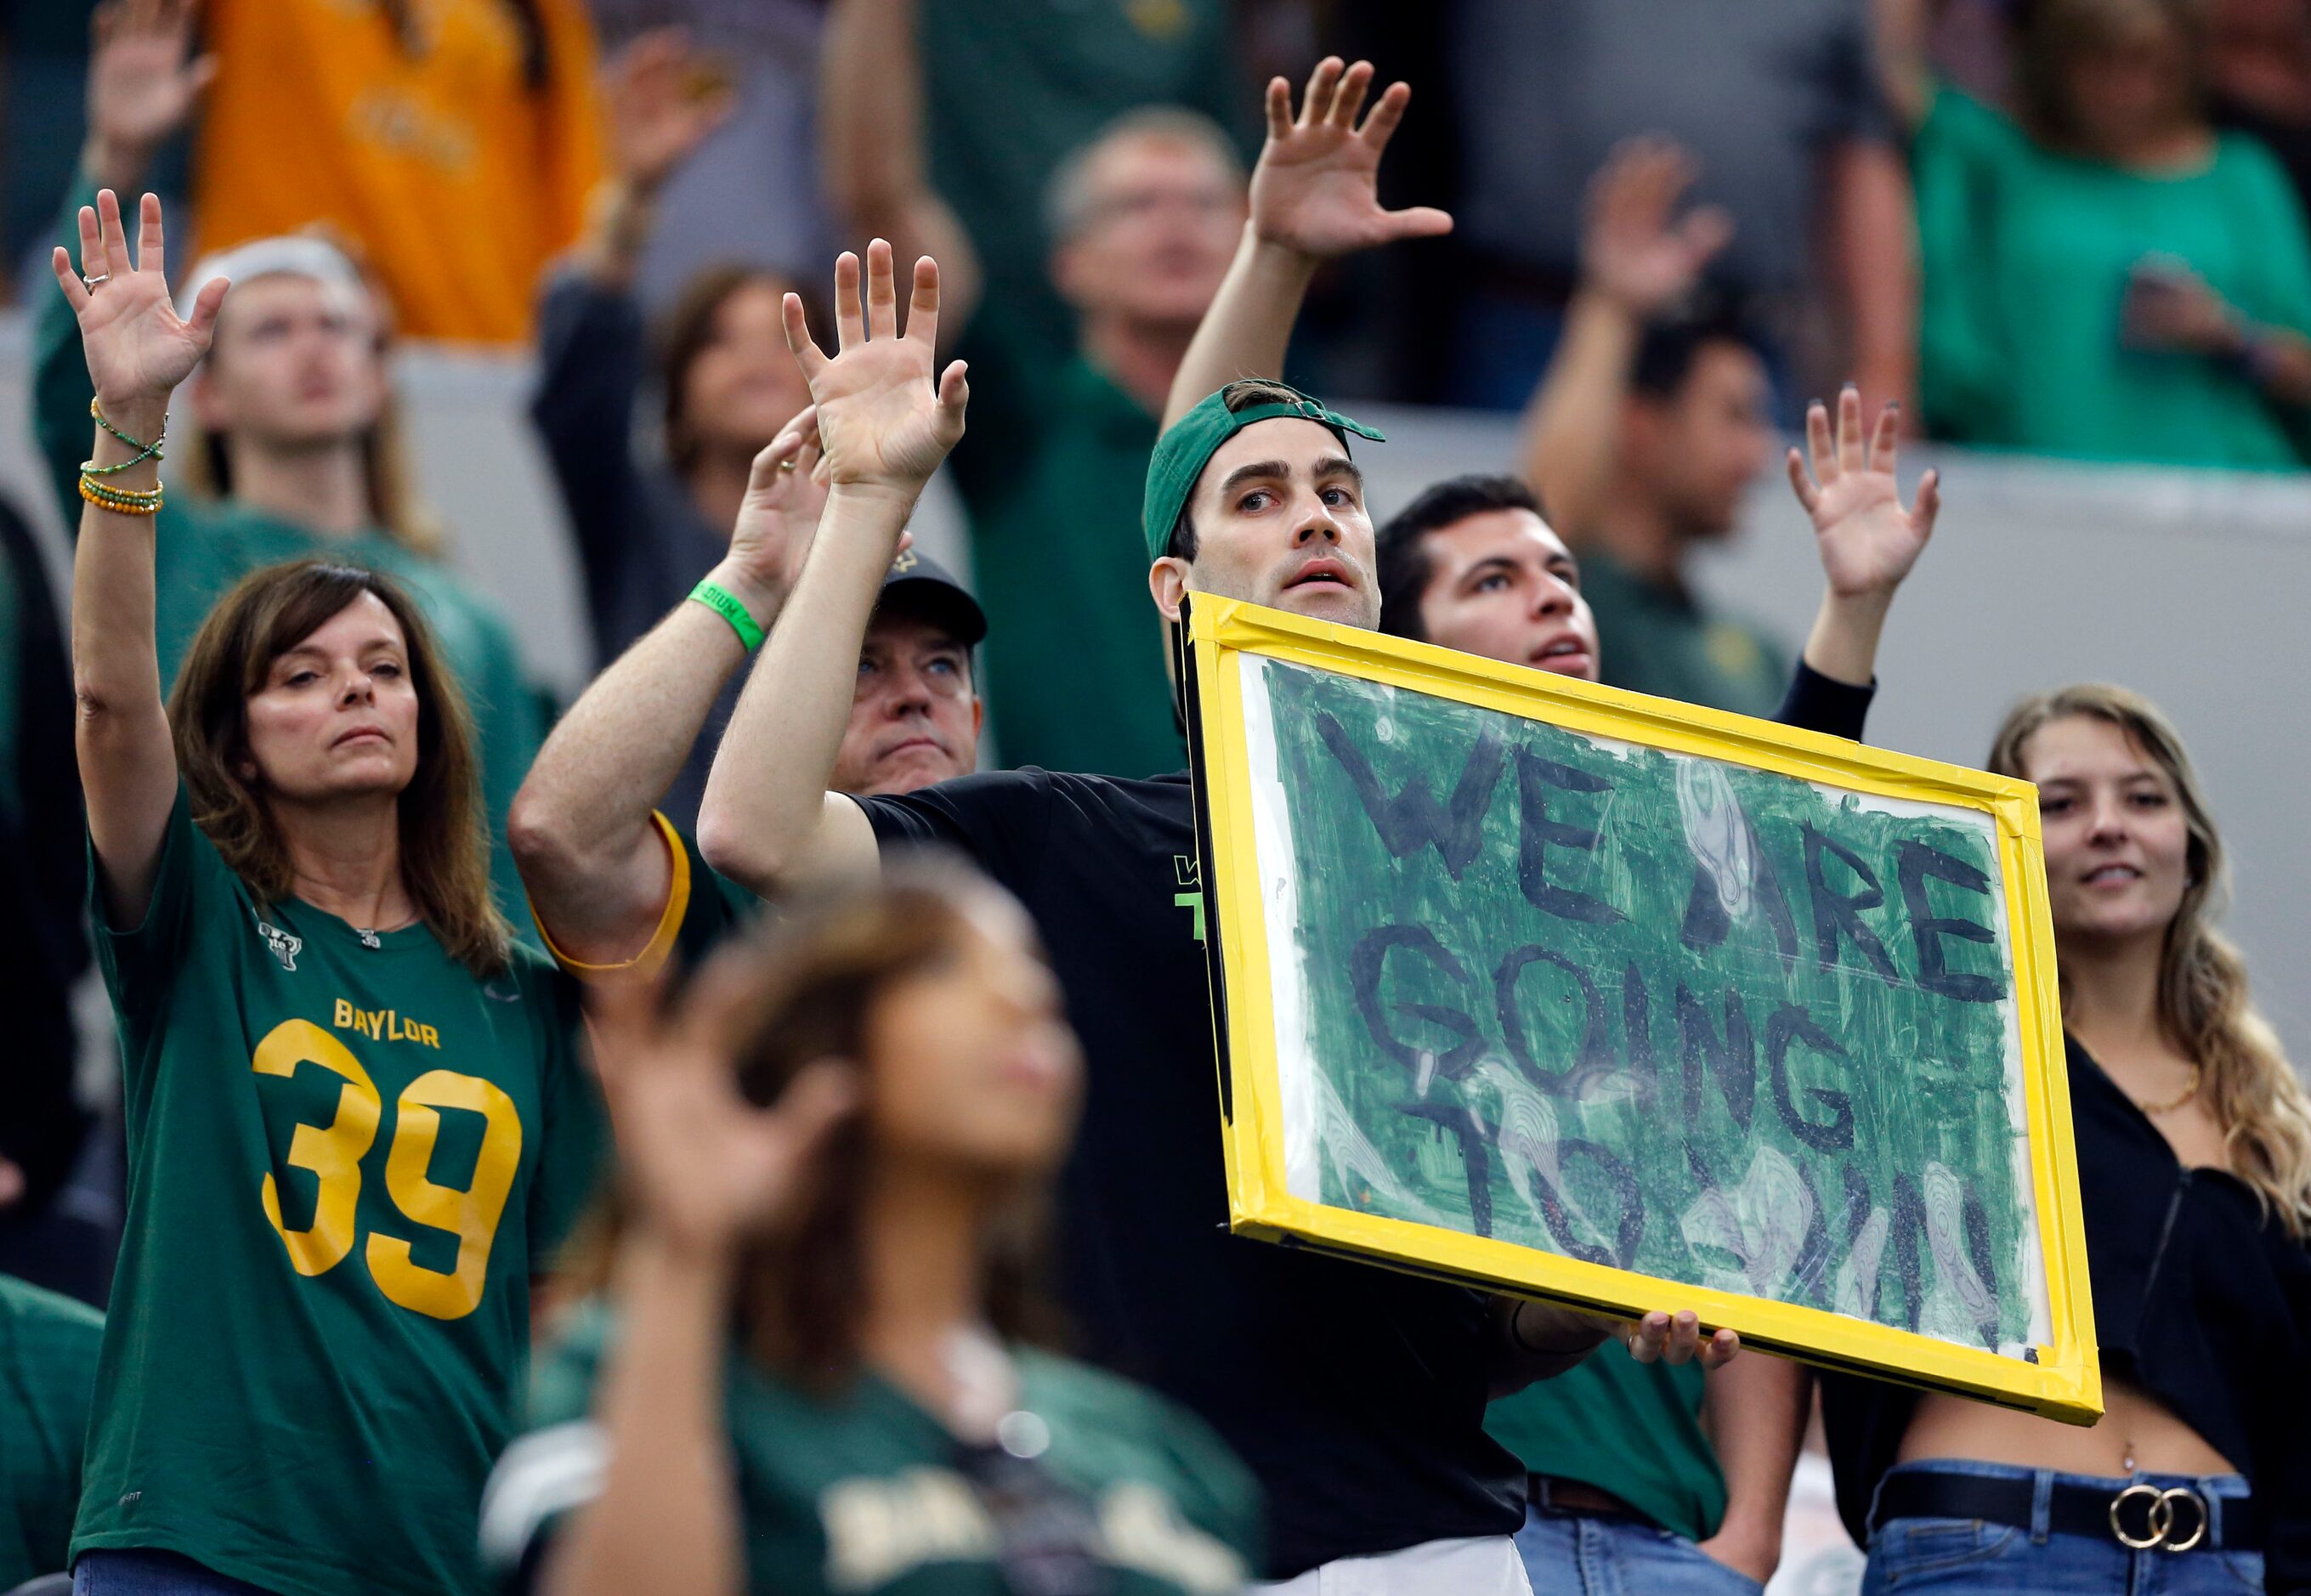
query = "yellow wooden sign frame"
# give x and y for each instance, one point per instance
(2064, 1383)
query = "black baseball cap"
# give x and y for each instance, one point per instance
(926, 586)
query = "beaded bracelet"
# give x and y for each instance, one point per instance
(145, 451)
(121, 501)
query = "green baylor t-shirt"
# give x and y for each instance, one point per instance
(858, 1493)
(345, 1163)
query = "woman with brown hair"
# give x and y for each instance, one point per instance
(834, 1152)
(2193, 1137)
(292, 451)
(356, 1122)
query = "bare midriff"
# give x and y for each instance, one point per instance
(2135, 1425)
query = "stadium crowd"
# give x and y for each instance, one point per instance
(836, 1201)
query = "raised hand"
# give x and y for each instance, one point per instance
(1631, 250)
(786, 491)
(138, 348)
(1675, 1339)
(663, 99)
(883, 423)
(1316, 188)
(704, 1167)
(1867, 540)
(143, 82)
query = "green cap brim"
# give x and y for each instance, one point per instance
(1188, 445)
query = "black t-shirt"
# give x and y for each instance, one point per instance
(2199, 1297)
(1356, 1395)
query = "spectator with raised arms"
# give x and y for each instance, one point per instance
(290, 425)
(1642, 1477)
(617, 884)
(318, 1324)
(1355, 1394)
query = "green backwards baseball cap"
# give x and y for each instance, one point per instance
(1188, 445)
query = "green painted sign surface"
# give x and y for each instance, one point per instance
(1689, 1018)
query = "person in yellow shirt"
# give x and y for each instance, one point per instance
(455, 141)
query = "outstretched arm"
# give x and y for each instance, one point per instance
(1636, 263)
(767, 820)
(138, 350)
(1314, 196)
(870, 135)
(1756, 1410)
(1868, 542)
(662, 102)
(592, 856)
(142, 83)
(704, 1170)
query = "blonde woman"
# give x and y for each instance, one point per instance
(2194, 1139)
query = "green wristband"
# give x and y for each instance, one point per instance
(725, 604)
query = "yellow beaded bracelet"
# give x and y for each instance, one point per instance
(121, 501)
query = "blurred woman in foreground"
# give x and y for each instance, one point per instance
(834, 1151)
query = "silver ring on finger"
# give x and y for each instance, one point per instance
(99, 278)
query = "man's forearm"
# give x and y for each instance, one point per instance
(1756, 1410)
(1249, 326)
(767, 792)
(1568, 443)
(580, 825)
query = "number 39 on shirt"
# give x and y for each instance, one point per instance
(333, 1153)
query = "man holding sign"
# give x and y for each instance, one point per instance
(1358, 1395)
(1617, 1453)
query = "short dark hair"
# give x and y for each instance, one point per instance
(1671, 344)
(1238, 396)
(1400, 546)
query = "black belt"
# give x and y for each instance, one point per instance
(2141, 1516)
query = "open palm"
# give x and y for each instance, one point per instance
(138, 348)
(786, 494)
(1316, 188)
(884, 422)
(142, 77)
(1633, 245)
(658, 113)
(1867, 540)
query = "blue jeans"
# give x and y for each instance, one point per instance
(1981, 1559)
(1567, 1554)
(152, 1573)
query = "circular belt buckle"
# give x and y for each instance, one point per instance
(2160, 1516)
(2183, 1493)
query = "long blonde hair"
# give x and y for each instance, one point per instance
(2203, 1004)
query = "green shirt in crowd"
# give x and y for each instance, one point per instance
(1630, 1428)
(201, 549)
(1061, 71)
(1053, 470)
(2026, 254)
(47, 1381)
(345, 1163)
(864, 1492)
(1659, 640)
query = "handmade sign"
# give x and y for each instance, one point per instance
(1577, 993)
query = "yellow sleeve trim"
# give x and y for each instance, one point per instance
(653, 954)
